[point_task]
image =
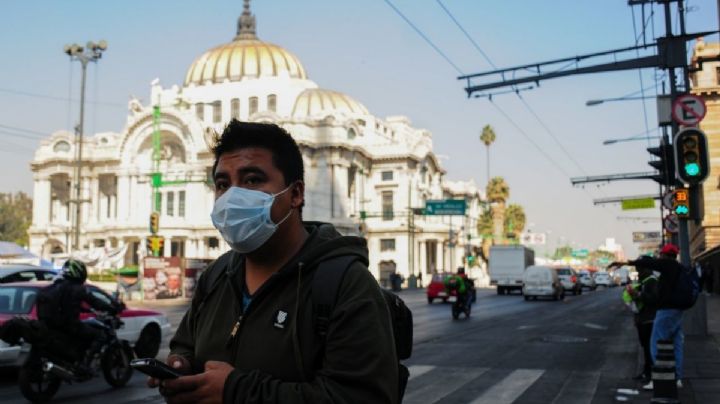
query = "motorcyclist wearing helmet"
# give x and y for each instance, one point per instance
(59, 306)
(459, 283)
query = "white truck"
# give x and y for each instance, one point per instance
(507, 266)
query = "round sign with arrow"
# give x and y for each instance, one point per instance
(668, 199)
(671, 223)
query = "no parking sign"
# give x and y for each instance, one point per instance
(689, 110)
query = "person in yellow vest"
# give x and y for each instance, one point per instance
(642, 298)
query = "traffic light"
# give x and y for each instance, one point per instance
(156, 244)
(154, 222)
(665, 164)
(681, 203)
(691, 156)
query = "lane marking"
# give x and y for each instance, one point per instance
(595, 326)
(418, 370)
(579, 388)
(510, 388)
(445, 381)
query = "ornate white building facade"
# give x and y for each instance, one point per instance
(364, 174)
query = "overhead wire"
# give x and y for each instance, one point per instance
(64, 99)
(502, 112)
(29, 131)
(642, 85)
(419, 32)
(524, 102)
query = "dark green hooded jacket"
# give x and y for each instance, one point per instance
(276, 353)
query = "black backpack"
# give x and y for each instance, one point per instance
(326, 284)
(686, 288)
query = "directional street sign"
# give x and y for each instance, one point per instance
(647, 237)
(689, 110)
(445, 207)
(671, 223)
(643, 203)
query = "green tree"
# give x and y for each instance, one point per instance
(15, 217)
(514, 220)
(562, 252)
(488, 137)
(498, 193)
(498, 190)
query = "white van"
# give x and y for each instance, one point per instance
(542, 281)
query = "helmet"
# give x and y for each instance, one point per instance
(74, 270)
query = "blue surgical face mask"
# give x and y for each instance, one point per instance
(242, 216)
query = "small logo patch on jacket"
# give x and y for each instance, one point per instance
(280, 319)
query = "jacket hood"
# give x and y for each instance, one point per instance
(325, 242)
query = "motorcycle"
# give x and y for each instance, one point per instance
(462, 306)
(52, 361)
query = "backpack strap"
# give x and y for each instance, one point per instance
(325, 287)
(212, 277)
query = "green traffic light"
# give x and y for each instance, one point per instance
(692, 169)
(682, 210)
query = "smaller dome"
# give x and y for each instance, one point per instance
(317, 101)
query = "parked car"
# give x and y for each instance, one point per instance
(25, 272)
(542, 281)
(143, 329)
(603, 279)
(586, 280)
(570, 280)
(436, 288)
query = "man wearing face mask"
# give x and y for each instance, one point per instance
(249, 335)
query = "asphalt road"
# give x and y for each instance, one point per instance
(581, 350)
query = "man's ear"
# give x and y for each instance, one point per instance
(297, 195)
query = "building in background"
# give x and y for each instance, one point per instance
(705, 82)
(366, 175)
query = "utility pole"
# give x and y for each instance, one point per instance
(91, 53)
(670, 54)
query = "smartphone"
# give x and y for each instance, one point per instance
(154, 368)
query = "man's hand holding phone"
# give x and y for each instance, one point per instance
(203, 388)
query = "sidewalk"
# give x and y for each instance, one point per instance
(702, 360)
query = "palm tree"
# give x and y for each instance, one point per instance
(488, 137)
(497, 193)
(514, 220)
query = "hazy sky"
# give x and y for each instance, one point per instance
(364, 49)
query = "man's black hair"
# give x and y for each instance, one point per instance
(286, 154)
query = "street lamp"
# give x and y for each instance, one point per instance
(91, 53)
(591, 103)
(639, 136)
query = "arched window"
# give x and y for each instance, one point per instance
(351, 134)
(272, 102)
(61, 147)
